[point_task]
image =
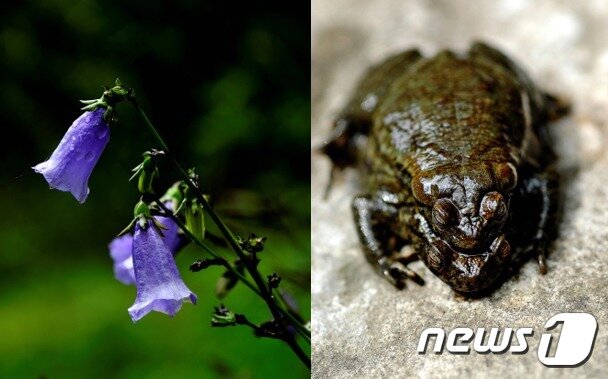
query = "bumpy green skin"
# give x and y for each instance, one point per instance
(456, 164)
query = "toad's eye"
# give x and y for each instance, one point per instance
(493, 207)
(445, 213)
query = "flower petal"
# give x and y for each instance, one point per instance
(171, 237)
(70, 166)
(120, 251)
(159, 285)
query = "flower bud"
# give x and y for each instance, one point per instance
(253, 244)
(195, 219)
(147, 171)
(173, 195)
(222, 317)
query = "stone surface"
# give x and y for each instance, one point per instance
(362, 327)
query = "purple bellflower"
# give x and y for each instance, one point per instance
(122, 247)
(69, 167)
(159, 285)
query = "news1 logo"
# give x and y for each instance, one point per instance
(573, 349)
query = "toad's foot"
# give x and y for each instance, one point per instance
(373, 217)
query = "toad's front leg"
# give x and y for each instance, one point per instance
(545, 186)
(537, 200)
(373, 219)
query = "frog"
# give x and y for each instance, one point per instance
(456, 165)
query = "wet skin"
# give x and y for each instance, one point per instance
(456, 164)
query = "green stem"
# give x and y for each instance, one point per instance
(263, 291)
(193, 238)
(216, 219)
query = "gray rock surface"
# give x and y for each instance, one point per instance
(362, 327)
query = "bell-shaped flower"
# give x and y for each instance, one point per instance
(121, 248)
(159, 285)
(69, 167)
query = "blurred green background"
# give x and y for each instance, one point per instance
(227, 84)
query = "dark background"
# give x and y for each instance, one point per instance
(227, 84)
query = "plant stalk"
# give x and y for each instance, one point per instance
(263, 291)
